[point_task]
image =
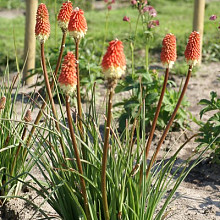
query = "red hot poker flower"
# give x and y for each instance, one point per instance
(192, 52)
(42, 28)
(114, 62)
(64, 15)
(77, 25)
(68, 78)
(168, 53)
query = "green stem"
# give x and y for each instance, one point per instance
(157, 113)
(170, 121)
(136, 26)
(147, 57)
(132, 59)
(78, 161)
(105, 157)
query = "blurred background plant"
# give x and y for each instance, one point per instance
(210, 129)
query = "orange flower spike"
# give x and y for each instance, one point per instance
(168, 53)
(63, 17)
(42, 28)
(77, 25)
(114, 62)
(68, 78)
(192, 52)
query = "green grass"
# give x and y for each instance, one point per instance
(174, 16)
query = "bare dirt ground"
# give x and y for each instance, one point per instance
(198, 197)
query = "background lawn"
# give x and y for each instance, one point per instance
(174, 16)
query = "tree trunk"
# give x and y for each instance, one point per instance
(30, 41)
(198, 20)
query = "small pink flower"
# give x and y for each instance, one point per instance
(113, 1)
(133, 2)
(213, 18)
(153, 13)
(151, 10)
(106, 1)
(109, 7)
(126, 18)
(153, 24)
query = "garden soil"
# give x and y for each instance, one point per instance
(197, 198)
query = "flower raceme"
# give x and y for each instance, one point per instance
(64, 15)
(192, 52)
(77, 25)
(168, 53)
(68, 78)
(114, 62)
(42, 28)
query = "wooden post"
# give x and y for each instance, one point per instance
(198, 20)
(30, 41)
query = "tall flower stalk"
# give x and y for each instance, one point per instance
(113, 67)
(42, 32)
(168, 57)
(63, 21)
(192, 54)
(77, 29)
(68, 81)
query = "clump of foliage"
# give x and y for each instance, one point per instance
(210, 130)
(149, 86)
